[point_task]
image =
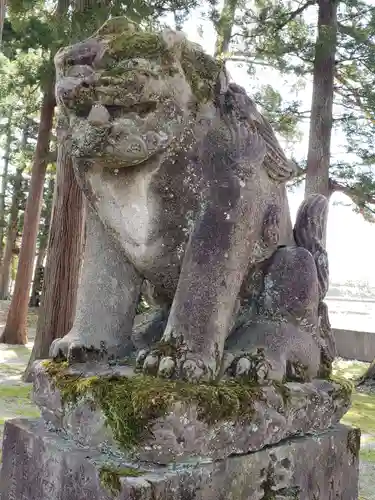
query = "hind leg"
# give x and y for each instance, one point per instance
(107, 299)
(274, 351)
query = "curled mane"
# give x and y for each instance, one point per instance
(236, 107)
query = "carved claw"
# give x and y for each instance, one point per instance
(166, 367)
(252, 366)
(192, 372)
(181, 365)
(243, 368)
(140, 359)
(151, 364)
(76, 348)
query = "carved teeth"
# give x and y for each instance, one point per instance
(98, 115)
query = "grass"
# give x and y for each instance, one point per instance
(15, 402)
(351, 370)
(15, 392)
(362, 413)
(15, 399)
(368, 455)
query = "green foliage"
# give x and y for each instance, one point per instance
(282, 35)
(284, 117)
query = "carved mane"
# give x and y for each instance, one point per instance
(236, 106)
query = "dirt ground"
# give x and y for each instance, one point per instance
(15, 399)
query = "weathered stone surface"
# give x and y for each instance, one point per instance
(40, 465)
(278, 412)
(186, 186)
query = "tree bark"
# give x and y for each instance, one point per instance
(64, 256)
(224, 27)
(11, 237)
(4, 182)
(15, 331)
(37, 286)
(318, 157)
(3, 4)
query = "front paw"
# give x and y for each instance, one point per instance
(174, 365)
(78, 348)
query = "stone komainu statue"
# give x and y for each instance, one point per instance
(186, 185)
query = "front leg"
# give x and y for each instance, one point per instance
(215, 263)
(107, 298)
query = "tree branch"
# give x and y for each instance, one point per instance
(248, 60)
(353, 193)
(355, 95)
(294, 14)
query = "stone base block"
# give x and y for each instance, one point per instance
(39, 464)
(180, 432)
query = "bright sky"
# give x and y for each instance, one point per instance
(350, 239)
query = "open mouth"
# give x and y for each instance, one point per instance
(142, 109)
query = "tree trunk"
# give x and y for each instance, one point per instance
(15, 331)
(64, 256)
(4, 182)
(224, 27)
(3, 4)
(37, 286)
(38, 280)
(318, 157)
(11, 237)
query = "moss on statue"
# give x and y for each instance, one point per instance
(135, 44)
(127, 41)
(201, 71)
(109, 477)
(131, 404)
(346, 387)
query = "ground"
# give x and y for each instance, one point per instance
(15, 400)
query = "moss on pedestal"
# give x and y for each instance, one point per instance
(131, 404)
(110, 477)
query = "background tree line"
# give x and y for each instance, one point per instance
(325, 45)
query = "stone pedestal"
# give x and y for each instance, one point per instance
(39, 464)
(228, 442)
(270, 414)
